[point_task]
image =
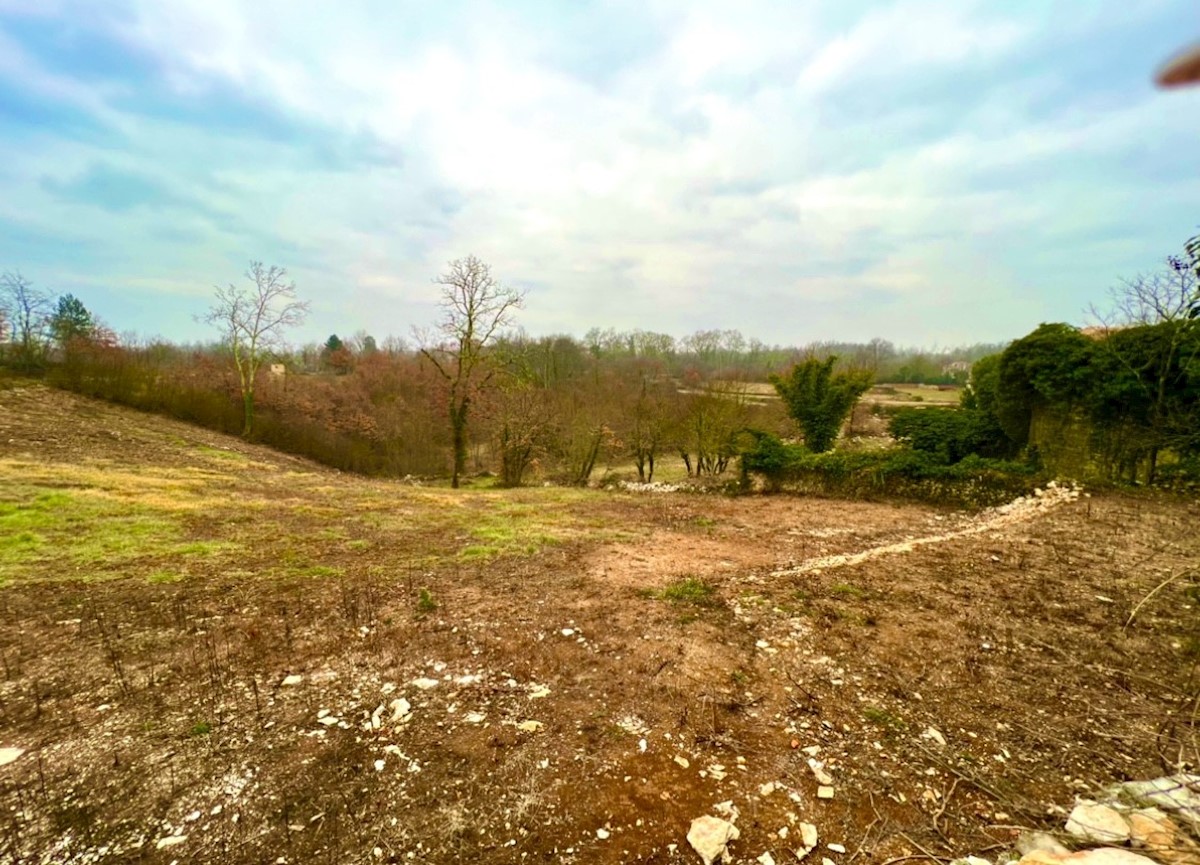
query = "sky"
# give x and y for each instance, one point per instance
(933, 173)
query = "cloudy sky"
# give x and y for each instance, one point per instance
(929, 172)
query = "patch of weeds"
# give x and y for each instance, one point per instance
(882, 718)
(479, 552)
(739, 677)
(689, 590)
(358, 544)
(705, 522)
(50, 533)
(425, 601)
(201, 728)
(846, 590)
(319, 571)
(217, 453)
(202, 548)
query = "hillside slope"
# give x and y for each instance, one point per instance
(216, 653)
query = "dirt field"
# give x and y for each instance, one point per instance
(214, 653)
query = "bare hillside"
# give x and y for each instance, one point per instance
(215, 653)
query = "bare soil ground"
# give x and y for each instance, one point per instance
(215, 653)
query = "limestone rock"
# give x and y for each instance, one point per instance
(709, 837)
(824, 792)
(10, 755)
(1099, 856)
(1152, 830)
(291, 681)
(1098, 823)
(1044, 842)
(170, 841)
(1174, 794)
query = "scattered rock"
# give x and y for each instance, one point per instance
(808, 838)
(379, 765)
(474, 717)
(934, 735)
(10, 755)
(824, 792)
(818, 770)
(170, 841)
(425, 684)
(1099, 856)
(1030, 842)
(836, 848)
(682, 761)
(530, 726)
(1175, 794)
(1098, 823)
(709, 837)
(401, 710)
(766, 789)
(290, 681)
(766, 859)
(602, 834)
(536, 692)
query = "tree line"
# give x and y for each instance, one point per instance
(473, 394)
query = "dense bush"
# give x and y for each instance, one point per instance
(950, 435)
(899, 473)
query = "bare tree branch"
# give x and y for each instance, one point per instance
(252, 320)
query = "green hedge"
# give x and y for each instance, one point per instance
(897, 473)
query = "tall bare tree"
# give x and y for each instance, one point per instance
(25, 311)
(252, 320)
(475, 309)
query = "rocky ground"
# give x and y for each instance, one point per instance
(214, 653)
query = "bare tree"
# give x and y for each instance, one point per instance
(1166, 302)
(252, 320)
(25, 312)
(475, 308)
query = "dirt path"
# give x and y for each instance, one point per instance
(1021, 510)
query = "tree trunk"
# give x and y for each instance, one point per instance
(458, 438)
(248, 413)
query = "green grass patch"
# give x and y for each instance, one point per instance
(218, 454)
(53, 533)
(846, 590)
(318, 571)
(689, 590)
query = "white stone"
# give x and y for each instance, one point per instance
(836, 848)
(401, 709)
(709, 837)
(568, 632)
(379, 765)
(474, 717)
(766, 859)
(530, 726)
(602, 834)
(766, 789)
(818, 770)
(425, 684)
(808, 836)
(328, 721)
(682, 761)
(824, 792)
(10, 755)
(289, 681)
(935, 735)
(170, 841)
(536, 692)
(1098, 823)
